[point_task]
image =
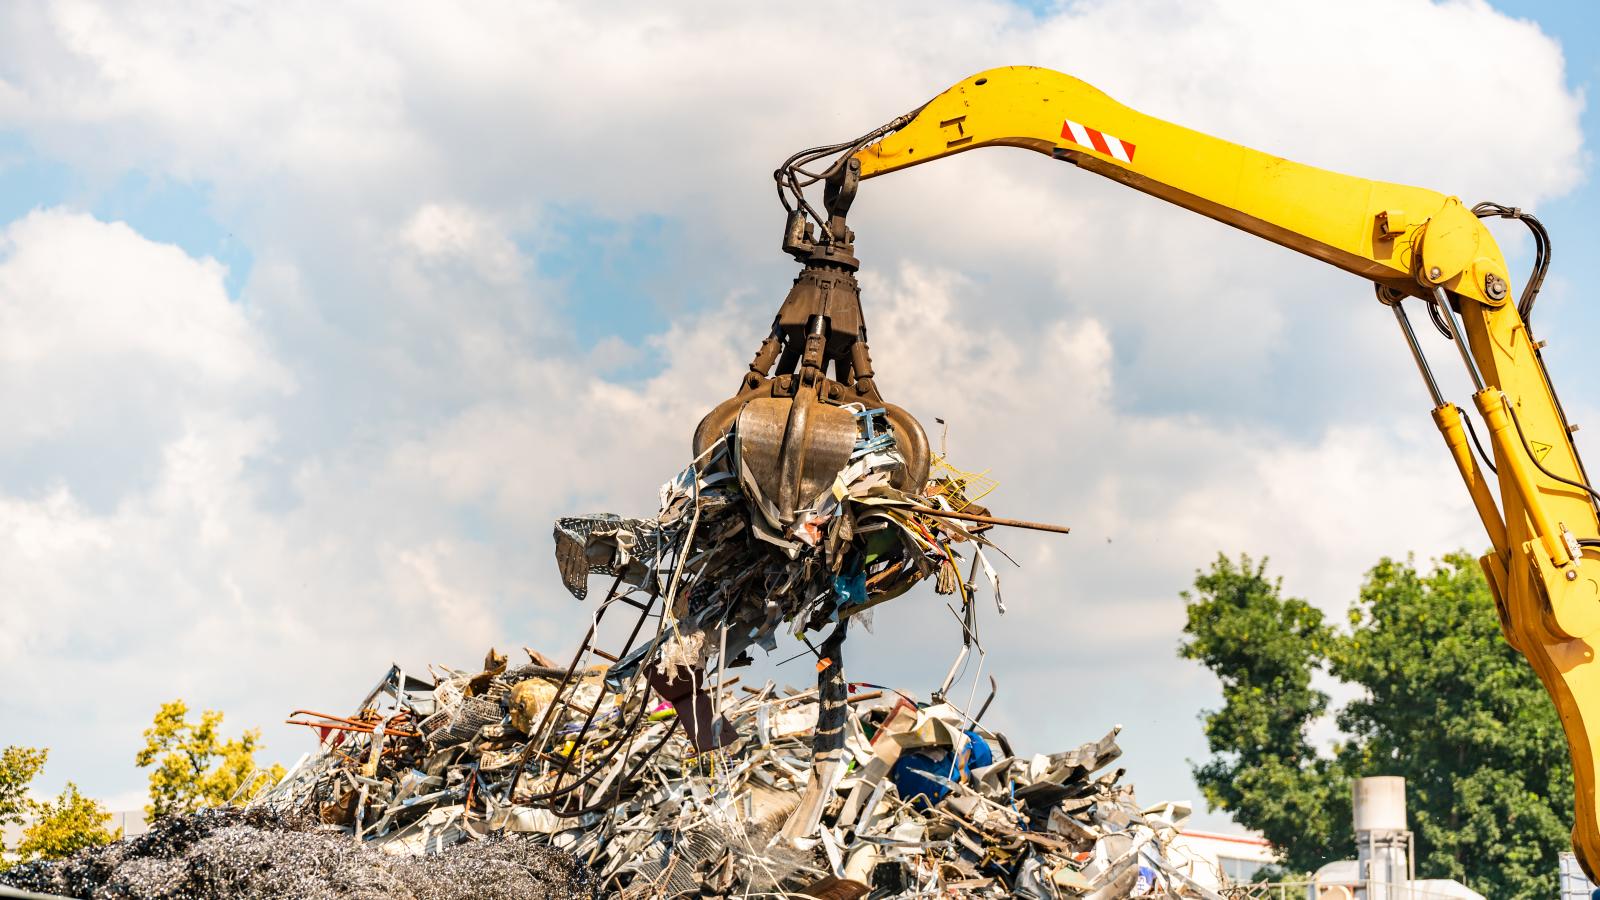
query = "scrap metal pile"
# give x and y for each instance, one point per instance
(664, 776)
(646, 760)
(925, 802)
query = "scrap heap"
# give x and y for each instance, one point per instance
(809, 500)
(927, 802)
(657, 770)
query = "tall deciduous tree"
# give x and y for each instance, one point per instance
(65, 825)
(1443, 701)
(1452, 707)
(1264, 647)
(18, 767)
(194, 766)
(51, 829)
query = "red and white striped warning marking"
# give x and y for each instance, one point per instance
(1110, 145)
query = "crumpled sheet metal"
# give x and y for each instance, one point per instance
(994, 823)
(604, 544)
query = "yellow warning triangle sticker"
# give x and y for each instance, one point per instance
(1539, 450)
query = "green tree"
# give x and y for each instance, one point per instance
(51, 829)
(64, 826)
(18, 767)
(1452, 707)
(1443, 701)
(1264, 648)
(194, 766)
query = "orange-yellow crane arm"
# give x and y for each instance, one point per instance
(1544, 568)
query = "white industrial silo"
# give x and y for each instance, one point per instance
(1383, 842)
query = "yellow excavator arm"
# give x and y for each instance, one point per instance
(1544, 568)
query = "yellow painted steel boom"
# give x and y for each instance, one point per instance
(1540, 516)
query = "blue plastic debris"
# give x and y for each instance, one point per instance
(979, 753)
(911, 772)
(872, 426)
(851, 587)
(910, 776)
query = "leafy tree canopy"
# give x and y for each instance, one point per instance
(1264, 648)
(1443, 701)
(194, 766)
(65, 825)
(51, 829)
(18, 767)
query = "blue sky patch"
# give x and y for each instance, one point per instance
(160, 209)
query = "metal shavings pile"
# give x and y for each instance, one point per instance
(237, 854)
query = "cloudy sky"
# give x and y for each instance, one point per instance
(313, 318)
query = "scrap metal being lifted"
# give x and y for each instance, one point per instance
(1412, 244)
(732, 566)
(810, 498)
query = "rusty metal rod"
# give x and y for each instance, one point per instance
(990, 520)
(347, 721)
(341, 726)
(403, 717)
(810, 697)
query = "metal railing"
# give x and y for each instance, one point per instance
(1308, 890)
(1575, 885)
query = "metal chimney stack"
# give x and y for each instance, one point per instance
(1383, 842)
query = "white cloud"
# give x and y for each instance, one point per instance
(318, 140)
(253, 504)
(444, 235)
(84, 305)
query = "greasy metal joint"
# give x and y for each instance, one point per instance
(1494, 286)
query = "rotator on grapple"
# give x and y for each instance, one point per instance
(789, 419)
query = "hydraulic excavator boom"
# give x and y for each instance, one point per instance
(1414, 244)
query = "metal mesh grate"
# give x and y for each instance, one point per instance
(465, 722)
